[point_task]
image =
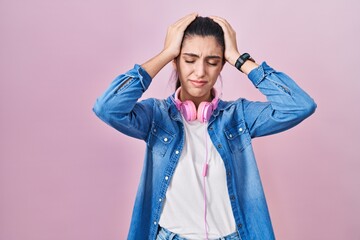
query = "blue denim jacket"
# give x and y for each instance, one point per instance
(231, 127)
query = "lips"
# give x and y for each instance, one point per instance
(198, 83)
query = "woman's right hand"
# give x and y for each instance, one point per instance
(175, 34)
(172, 46)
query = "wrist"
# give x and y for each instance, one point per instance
(248, 66)
(243, 63)
(233, 57)
(155, 64)
(168, 54)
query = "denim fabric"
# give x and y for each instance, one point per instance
(231, 127)
(165, 234)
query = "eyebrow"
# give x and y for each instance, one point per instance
(195, 55)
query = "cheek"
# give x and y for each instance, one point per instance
(184, 70)
(215, 72)
(181, 76)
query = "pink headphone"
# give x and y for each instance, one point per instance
(188, 108)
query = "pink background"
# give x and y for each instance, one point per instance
(66, 175)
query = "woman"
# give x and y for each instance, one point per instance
(200, 178)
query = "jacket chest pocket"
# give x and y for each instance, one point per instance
(237, 137)
(159, 140)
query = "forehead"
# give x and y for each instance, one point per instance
(200, 45)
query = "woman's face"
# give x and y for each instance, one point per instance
(199, 65)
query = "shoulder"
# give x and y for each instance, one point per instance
(157, 104)
(225, 105)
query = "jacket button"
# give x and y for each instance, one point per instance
(166, 178)
(177, 152)
(232, 197)
(240, 225)
(240, 129)
(219, 145)
(165, 139)
(155, 223)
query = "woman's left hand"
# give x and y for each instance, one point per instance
(231, 51)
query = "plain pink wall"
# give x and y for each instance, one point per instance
(66, 175)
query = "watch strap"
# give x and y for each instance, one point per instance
(242, 59)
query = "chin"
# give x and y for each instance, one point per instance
(198, 92)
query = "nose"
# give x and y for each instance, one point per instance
(199, 69)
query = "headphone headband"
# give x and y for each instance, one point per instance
(188, 108)
(214, 102)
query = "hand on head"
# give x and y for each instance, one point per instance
(175, 37)
(175, 34)
(231, 51)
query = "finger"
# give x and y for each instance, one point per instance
(222, 22)
(186, 20)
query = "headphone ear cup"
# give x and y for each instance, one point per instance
(204, 112)
(188, 110)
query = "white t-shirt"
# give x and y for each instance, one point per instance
(184, 208)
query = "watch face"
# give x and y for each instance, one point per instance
(245, 56)
(240, 61)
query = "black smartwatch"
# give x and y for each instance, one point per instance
(242, 59)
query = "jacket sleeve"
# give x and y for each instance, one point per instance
(287, 104)
(118, 106)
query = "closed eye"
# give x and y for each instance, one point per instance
(213, 64)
